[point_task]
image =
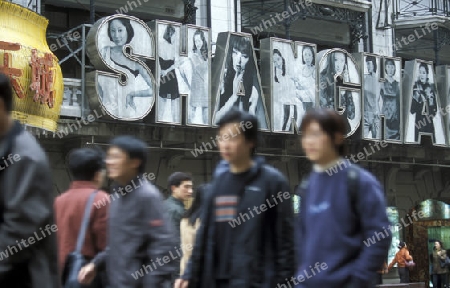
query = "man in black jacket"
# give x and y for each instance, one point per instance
(28, 252)
(246, 235)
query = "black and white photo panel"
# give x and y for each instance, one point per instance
(423, 117)
(340, 86)
(196, 74)
(171, 81)
(239, 81)
(293, 80)
(119, 46)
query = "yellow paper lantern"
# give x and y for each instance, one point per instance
(33, 69)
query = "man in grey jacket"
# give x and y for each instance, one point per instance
(140, 251)
(28, 251)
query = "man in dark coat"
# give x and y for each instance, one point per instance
(246, 234)
(141, 251)
(28, 250)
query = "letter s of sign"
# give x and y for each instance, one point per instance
(123, 85)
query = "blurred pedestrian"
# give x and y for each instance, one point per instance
(26, 205)
(401, 257)
(342, 211)
(87, 166)
(439, 271)
(245, 237)
(383, 270)
(139, 233)
(180, 184)
(190, 224)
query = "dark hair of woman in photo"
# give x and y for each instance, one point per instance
(336, 64)
(310, 48)
(204, 49)
(240, 45)
(283, 68)
(125, 22)
(170, 30)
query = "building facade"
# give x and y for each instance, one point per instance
(412, 168)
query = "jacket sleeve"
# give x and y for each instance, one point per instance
(393, 262)
(160, 234)
(374, 224)
(27, 208)
(100, 259)
(284, 252)
(100, 223)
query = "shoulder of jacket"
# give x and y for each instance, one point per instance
(26, 146)
(272, 171)
(148, 190)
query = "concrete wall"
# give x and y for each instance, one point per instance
(405, 186)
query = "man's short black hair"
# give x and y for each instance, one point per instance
(238, 116)
(177, 178)
(6, 92)
(84, 163)
(133, 147)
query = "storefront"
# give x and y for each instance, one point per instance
(407, 153)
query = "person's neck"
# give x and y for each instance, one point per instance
(177, 198)
(126, 179)
(6, 125)
(326, 163)
(241, 166)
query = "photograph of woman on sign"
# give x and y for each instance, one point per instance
(423, 103)
(305, 83)
(286, 106)
(372, 99)
(198, 86)
(337, 64)
(390, 93)
(169, 96)
(240, 86)
(132, 99)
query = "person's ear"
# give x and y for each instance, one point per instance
(135, 163)
(338, 138)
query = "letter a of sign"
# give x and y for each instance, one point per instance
(241, 89)
(235, 62)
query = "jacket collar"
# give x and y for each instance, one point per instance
(83, 185)
(176, 201)
(224, 166)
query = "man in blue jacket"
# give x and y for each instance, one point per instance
(342, 231)
(246, 233)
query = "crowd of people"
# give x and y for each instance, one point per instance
(240, 230)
